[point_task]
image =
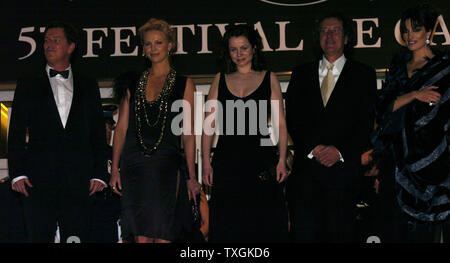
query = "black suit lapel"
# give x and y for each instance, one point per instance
(340, 84)
(316, 94)
(49, 99)
(74, 107)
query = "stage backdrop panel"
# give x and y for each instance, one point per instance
(109, 43)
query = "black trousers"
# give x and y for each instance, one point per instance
(105, 214)
(321, 214)
(49, 207)
(12, 224)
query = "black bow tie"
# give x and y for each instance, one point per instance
(64, 74)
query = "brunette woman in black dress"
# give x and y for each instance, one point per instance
(247, 203)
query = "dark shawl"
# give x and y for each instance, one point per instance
(418, 136)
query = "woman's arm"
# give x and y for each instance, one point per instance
(279, 121)
(118, 142)
(189, 137)
(208, 131)
(427, 95)
(188, 127)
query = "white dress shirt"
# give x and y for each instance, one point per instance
(323, 71)
(63, 94)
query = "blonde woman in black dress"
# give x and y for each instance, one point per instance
(147, 150)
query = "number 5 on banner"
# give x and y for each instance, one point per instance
(28, 40)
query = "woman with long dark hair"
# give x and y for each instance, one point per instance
(246, 201)
(413, 116)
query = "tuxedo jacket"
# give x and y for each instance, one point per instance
(54, 155)
(345, 122)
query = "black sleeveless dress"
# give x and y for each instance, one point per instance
(242, 207)
(154, 199)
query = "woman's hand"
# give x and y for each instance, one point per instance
(207, 173)
(193, 188)
(376, 186)
(372, 172)
(366, 157)
(114, 181)
(428, 95)
(281, 171)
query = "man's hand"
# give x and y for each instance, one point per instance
(20, 186)
(96, 186)
(326, 155)
(317, 149)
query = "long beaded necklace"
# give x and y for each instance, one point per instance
(141, 107)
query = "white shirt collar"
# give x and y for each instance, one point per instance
(338, 64)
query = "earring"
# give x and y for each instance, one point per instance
(427, 41)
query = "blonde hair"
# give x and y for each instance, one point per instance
(160, 25)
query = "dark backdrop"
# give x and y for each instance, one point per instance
(21, 25)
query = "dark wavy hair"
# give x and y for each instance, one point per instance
(227, 66)
(70, 32)
(348, 32)
(422, 15)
